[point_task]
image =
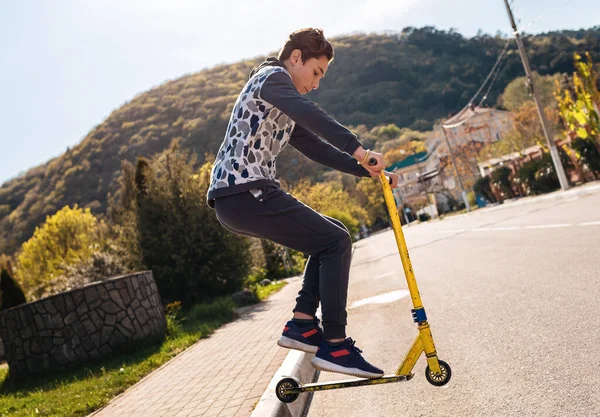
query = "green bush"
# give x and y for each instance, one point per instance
(350, 222)
(220, 309)
(538, 176)
(501, 179)
(177, 236)
(11, 293)
(588, 154)
(102, 264)
(280, 262)
(483, 187)
(255, 277)
(174, 320)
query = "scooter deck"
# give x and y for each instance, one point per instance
(321, 386)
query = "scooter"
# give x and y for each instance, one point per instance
(437, 373)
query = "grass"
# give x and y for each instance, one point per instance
(79, 392)
(264, 292)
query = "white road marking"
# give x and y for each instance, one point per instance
(589, 224)
(507, 228)
(389, 297)
(572, 199)
(549, 226)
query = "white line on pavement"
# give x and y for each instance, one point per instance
(548, 226)
(589, 224)
(508, 228)
(389, 297)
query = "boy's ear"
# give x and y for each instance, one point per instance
(296, 56)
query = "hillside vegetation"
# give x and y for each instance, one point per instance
(411, 79)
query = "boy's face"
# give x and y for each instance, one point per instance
(306, 75)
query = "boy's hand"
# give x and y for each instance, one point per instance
(365, 160)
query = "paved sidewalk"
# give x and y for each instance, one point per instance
(222, 375)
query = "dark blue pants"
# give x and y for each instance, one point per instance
(279, 217)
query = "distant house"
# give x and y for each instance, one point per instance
(467, 133)
(415, 175)
(410, 170)
(428, 177)
(479, 124)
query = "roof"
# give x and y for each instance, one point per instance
(411, 160)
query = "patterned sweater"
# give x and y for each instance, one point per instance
(268, 114)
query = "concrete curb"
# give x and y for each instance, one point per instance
(296, 364)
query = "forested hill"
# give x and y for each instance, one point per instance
(410, 78)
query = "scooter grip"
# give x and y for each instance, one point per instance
(373, 161)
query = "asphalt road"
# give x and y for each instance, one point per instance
(512, 296)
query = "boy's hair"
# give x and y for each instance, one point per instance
(310, 41)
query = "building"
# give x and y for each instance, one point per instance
(429, 177)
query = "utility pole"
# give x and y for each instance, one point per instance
(562, 178)
(464, 193)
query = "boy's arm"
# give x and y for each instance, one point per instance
(323, 153)
(279, 90)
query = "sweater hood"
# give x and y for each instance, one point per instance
(270, 62)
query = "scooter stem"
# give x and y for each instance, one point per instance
(396, 225)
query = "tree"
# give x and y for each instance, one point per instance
(388, 132)
(580, 114)
(370, 198)
(517, 92)
(11, 293)
(64, 239)
(525, 132)
(122, 213)
(330, 199)
(179, 238)
(404, 151)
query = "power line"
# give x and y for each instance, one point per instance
(500, 57)
(485, 96)
(456, 120)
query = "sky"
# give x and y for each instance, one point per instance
(65, 65)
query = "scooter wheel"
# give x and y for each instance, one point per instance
(283, 385)
(443, 378)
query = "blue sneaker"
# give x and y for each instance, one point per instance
(344, 359)
(306, 339)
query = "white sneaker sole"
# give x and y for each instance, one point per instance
(286, 342)
(323, 365)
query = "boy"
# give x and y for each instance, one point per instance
(269, 113)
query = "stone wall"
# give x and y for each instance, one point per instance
(82, 325)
